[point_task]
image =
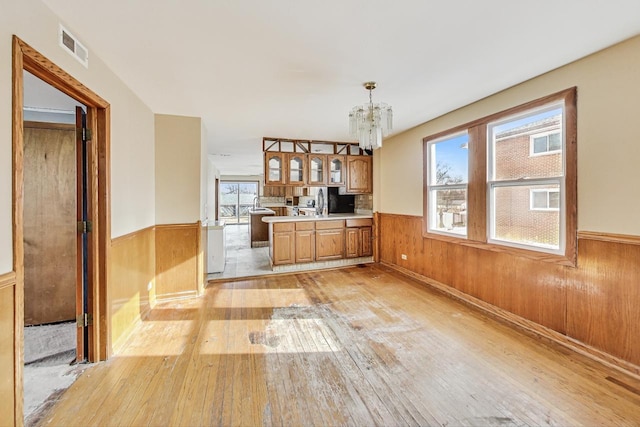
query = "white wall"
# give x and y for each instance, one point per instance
(178, 153)
(132, 143)
(608, 85)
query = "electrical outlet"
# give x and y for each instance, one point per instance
(403, 256)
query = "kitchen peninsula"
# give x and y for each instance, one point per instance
(321, 241)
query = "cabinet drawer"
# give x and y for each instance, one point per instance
(279, 227)
(305, 225)
(327, 225)
(359, 222)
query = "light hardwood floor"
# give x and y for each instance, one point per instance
(355, 346)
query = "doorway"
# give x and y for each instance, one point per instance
(97, 157)
(236, 198)
(54, 249)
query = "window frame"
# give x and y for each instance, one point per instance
(478, 200)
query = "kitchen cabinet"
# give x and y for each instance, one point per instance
(317, 169)
(358, 238)
(305, 242)
(296, 170)
(274, 191)
(359, 174)
(282, 246)
(329, 240)
(336, 173)
(274, 168)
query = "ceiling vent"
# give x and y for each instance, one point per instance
(72, 45)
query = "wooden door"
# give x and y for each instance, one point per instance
(274, 168)
(50, 229)
(366, 244)
(359, 174)
(352, 245)
(329, 244)
(336, 167)
(305, 246)
(317, 169)
(296, 169)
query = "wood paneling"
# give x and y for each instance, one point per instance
(353, 346)
(604, 298)
(595, 303)
(177, 258)
(7, 327)
(132, 270)
(50, 230)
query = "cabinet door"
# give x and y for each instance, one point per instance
(336, 166)
(352, 246)
(305, 246)
(274, 168)
(284, 248)
(359, 174)
(329, 244)
(317, 169)
(296, 169)
(366, 243)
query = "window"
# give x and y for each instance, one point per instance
(448, 160)
(507, 182)
(514, 176)
(544, 200)
(546, 144)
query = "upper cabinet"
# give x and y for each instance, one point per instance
(317, 169)
(336, 170)
(359, 174)
(274, 168)
(294, 163)
(296, 169)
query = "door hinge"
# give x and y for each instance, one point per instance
(83, 320)
(85, 227)
(86, 134)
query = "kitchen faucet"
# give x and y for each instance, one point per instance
(256, 202)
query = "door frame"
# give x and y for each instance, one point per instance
(25, 58)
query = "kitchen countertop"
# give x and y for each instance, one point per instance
(298, 218)
(261, 211)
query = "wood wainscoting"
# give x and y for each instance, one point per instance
(593, 306)
(132, 266)
(10, 386)
(179, 261)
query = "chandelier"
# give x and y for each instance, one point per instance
(369, 122)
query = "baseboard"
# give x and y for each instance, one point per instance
(118, 344)
(527, 326)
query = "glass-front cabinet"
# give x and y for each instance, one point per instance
(274, 167)
(317, 169)
(296, 169)
(336, 170)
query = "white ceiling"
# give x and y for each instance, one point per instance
(294, 68)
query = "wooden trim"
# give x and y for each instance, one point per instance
(46, 125)
(182, 225)
(477, 184)
(18, 227)
(26, 58)
(527, 326)
(609, 237)
(7, 280)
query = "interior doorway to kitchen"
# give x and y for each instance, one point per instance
(236, 198)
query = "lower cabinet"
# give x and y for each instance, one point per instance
(329, 240)
(309, 241)
(358, 241)
(305, 242)
(283, 244)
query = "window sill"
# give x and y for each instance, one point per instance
(567, 261)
